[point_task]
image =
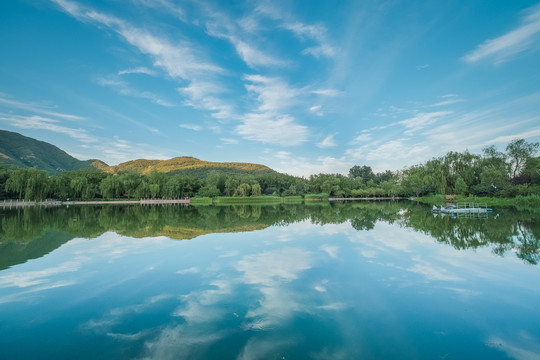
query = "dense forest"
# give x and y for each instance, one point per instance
(516, 171)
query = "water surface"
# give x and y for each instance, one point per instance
(326, 281)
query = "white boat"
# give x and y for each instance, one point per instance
(462, 208)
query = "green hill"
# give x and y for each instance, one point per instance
(188, 165)
(21, 151)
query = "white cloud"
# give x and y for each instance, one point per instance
(40, 109)
(284, 155)
(316, 33)
(433, 272)
(180, 60)
(117, 150)
(191, 127)
(422, 120)
(191, 270)
(300, 166)
(120, 143)
(199, 306)
(261, 348)
(228, 141)
(123, 88)
(421, 67)
(316, 110)
(179, 343)
(505, 139)
(307, 33)
(518, 40)
(43, 123)
(318, 51)
(397, 149)
(331, 250)
(362, 138)
(523, 346)
(202, 95)
(166, 6)
(273, 94)
(222, 27)
(254, 57)
(139, 70)
(269, 271)
(265, 128)
(273, 267)
(390, 154)
(327, 142)
(37, 277)
(326, 92)
(449, 101)
(334, 306)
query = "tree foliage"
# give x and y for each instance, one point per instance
(513, 172)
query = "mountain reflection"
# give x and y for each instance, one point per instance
(32, 232)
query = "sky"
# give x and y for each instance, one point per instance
(304, 87)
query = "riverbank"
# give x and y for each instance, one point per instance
(518, 201)
(22, 203)
(366, 198)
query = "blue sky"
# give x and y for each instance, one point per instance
(301, 86)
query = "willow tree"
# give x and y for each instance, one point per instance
(519, 151)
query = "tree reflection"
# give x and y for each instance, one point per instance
(32, 232)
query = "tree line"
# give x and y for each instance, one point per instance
(516, 171)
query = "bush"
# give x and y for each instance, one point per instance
(200, 201)
(316, 197)
(483, 190)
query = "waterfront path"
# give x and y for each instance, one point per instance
(20, 203)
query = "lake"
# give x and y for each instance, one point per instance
(362, 280)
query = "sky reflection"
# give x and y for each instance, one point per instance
(329, 291)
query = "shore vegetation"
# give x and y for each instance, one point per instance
(493, 175)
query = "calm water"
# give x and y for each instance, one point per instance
(339, 281)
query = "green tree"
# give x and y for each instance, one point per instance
(532, 170)
(494, 176)
(461, 187)
(256, 189)
(364, 172)
(154, 190)
(29, 183)
(130, 181)
(143, 190)
(243, 190)
(231, 184)
(111, 187)
(519, 151)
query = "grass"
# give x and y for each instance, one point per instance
(200, 201)
(246, 199)
(316, 197)
(256, 200)
(259, 200)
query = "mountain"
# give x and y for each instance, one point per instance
(21, 151)
(187, 165)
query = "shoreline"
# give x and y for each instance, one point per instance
(23, 203)
(366, 198)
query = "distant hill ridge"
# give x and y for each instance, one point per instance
(182, 163)
(21, 151)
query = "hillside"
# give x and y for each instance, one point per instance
(21, 151)
(188, 166)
